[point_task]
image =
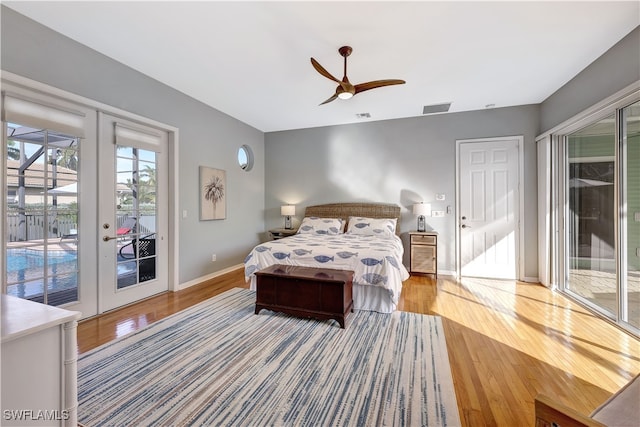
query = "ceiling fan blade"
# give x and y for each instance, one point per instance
(334, 96)
(319, 68)
(377, 83)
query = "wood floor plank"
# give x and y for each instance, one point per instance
(507, 342)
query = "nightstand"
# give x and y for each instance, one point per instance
(423, 252)
(279, 233)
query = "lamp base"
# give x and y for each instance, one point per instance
(287, 222)
(421, 224)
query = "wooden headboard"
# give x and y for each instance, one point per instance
(345, 210)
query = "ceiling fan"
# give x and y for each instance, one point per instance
(345, 89)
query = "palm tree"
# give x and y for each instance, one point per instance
(13, 153)
(147, 185)
(68, 158)
(214, 191)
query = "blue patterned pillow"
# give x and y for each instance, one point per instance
(372, 226)
(315, 225)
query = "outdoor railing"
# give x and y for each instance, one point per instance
(33, 226)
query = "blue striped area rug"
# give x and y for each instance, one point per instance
(218, 363)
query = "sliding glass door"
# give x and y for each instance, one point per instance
(591, 214)
(602, 215)
(630, 223)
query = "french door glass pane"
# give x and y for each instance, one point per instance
(42, 215)
(631, 197)
(591, 215)
(136, 214)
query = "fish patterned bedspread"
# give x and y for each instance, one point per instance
(375, 260)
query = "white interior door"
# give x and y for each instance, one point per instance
(133, 210)
(488, 208)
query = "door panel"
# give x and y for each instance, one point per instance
(591, 212)
(489, 208)
(49, 254)
(133, 213)
(630, 303)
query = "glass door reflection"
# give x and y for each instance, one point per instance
(591, 215)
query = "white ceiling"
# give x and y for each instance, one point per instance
(251, 59)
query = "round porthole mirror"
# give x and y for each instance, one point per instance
(245, 158)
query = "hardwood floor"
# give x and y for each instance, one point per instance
(507, 342)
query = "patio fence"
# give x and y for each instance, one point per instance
(35, 227)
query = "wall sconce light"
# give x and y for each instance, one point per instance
(422, 210)
(287, 211)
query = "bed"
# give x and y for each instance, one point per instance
(362, 237)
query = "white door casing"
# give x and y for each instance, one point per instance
(488, 235)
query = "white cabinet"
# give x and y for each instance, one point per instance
(39, 364)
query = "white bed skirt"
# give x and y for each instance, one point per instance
(365, 297)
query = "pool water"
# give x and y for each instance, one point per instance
(25, 272)
(23, 259)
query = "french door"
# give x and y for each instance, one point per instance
(85, 202)
(488, 233)
(49, 155)
(132, 247)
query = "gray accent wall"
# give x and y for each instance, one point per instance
(399, 161)
(207, 136)
(613, 71)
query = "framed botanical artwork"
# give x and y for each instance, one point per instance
(213, 194)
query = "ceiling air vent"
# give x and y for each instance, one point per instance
(363, 115)
(437, 108)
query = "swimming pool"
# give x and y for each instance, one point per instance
(23, 259)
(25, 272)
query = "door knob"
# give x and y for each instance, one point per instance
(465, 226)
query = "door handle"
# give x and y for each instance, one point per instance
(465, 226)
(107, 238)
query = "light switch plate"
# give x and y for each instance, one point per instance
(636, 216)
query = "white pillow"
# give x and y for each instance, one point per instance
(315, 225)
(372, 226)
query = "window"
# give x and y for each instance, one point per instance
(42, 215)
(245, 158)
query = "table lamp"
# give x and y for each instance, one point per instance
(422, 210)
(287, 211)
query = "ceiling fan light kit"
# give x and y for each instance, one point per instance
(345, 89)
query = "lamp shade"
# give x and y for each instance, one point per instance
(288, 210)
(422, 209)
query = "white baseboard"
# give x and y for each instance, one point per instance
(531, 280)
(201, 279)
